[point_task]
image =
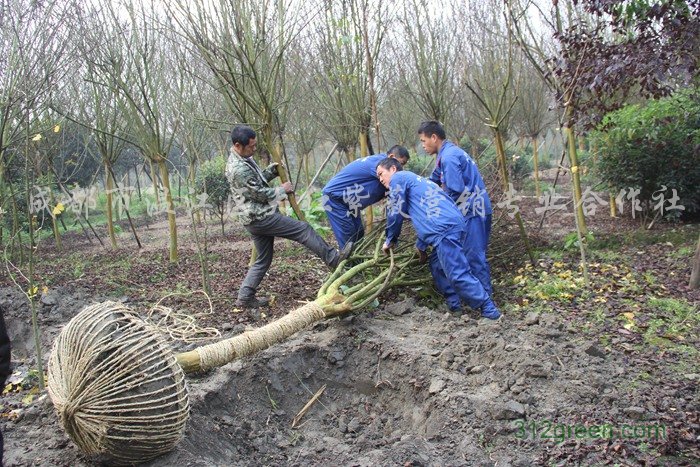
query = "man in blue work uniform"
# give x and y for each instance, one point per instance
(439, 223)
(352, 189)
(459, 176)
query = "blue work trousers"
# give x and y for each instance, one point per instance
(453, 275)
(346, 227)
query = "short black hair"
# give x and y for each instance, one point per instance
(242, 134)
(399, 151)
(389, 163)
(432, 127)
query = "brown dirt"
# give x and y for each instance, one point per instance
(406, 383)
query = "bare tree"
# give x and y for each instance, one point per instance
(244, 43)
(533, 114)
(528, 22)
(340, 82)
(426, 60)
(33, 42)
(132, 58)
(490, 78)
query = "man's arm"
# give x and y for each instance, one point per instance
(435, 176)
(271, 172)
(396, 207)
(243, 177)
(453, 183)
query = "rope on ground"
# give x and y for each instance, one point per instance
(181, 325)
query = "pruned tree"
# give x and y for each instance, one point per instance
(426, 61)
(33, 39)
(528, 22)
(532, 112)
(340, 82)
(132, 58)
(490, 76)
(245, 43)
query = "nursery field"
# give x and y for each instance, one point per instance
(604, 374)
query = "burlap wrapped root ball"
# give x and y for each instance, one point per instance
(118, 389)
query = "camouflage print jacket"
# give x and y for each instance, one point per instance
(253, 197)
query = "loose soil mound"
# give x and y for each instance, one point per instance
(405, 385)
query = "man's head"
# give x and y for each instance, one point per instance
(386, 169)
(432, 134)
(399, 153)
(243, 139)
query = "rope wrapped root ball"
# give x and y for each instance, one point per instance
(117, 387)
(120, 392)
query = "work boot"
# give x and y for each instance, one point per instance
(489, 310)
(342, 255)
(253, 303)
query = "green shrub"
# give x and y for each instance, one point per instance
(211, 179)
(652, 146)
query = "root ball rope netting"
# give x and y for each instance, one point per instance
(116, 385)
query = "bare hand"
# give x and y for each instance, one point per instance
(386, 247)
(422, 256)
(288, 187)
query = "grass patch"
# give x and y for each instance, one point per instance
(684, 252)
(674, 320)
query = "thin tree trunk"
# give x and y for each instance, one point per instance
(110, 188)
(192, 175)
(535, 158)
(126, 210)
(369, 215)
(307, 177)
(695, 273)
(276, 154)
(501, 152)
(138, 183)
(575, 177)
(154, 180)
(171, 209)
(613, 206)
(32, 292)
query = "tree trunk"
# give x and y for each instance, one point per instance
(110, 223)
(613, 206)
(192, 175)
(276, 154)
(536, 162)
(695, 274)
(154, 179)
(575, 178)
(171, 209)
(369, 216)
(138, 183)
(501, 153)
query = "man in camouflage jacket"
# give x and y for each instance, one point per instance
(257, 209)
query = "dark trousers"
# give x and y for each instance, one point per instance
(264, 232)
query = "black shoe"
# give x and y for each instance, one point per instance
(253, 303)
(342, 255)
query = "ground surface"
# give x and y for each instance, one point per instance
(406, 383)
